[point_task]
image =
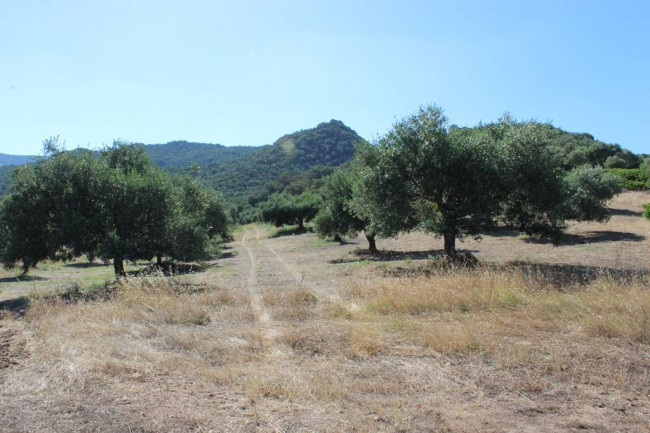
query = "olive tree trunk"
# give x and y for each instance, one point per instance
(118, 266)
(372, 244)
(450, 243)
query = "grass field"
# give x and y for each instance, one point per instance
(290, 333)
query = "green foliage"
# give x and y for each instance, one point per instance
(336, 217)
(423, 174)
(117, 206)
(182, 154)
(285, 209)
(200, 216)
(587, 190)
(5, 178)
(292, 164)
(460, 181)
(576, 149)
(632, 178)
(646, 211)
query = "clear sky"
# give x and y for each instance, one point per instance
(245, 72)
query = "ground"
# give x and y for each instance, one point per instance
(288, 332)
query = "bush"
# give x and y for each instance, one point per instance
(646, 211)
(631, 178)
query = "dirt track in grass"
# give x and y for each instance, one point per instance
(292, 333)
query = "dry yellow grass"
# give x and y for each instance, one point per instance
(485, 332)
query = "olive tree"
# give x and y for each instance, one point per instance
(337, 216)
(286, 209)
(458, 182)
(118, 206)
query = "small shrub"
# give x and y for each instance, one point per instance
(646, 211)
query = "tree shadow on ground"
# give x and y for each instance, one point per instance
(593, 237)
(290, 231)
(168, 269)
(391, 256)
(22, 278)
(503, 232)
(16, 305)
(555, 275)
(625, 212)
(227, 255)
(85, 265)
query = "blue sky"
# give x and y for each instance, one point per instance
(246, 72)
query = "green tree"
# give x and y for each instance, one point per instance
(423, 174)
(587, 189)
(337, 218)
(645, 166)
(200, 216)
(615, 161)
(458, 182)
(118, 206)
(285, 209)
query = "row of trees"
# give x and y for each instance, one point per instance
(117, 205)
(456, 182)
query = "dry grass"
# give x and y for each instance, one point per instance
(488, 333)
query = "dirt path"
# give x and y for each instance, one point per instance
(292, 270)
(257, 302)
(268, 328)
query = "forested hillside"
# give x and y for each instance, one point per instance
(582, 148)
(293, 162)
(182, 154)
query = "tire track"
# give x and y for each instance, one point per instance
(257, 301)
(296, 276)
(331, 295)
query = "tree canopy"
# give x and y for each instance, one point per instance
(457, 182)
(118, 206)
(286, 209)
(337, 216)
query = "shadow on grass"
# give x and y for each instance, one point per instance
(22, 278)
(391, 256)
(85, 265)
(556, 275)
(16, 305)
(590, 238)
(290, 231)
(168, 268)
(625, 212)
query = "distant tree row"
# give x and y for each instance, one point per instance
(117, 206)
(457, 182)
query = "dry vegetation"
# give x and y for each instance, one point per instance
(399, 346)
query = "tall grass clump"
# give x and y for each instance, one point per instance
(455, 291)
(603, 307)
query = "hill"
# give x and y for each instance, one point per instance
(293, 160)
(581, 148)
(182, 154)
(174, 156)
(15, 159)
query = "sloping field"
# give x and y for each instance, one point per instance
(292, 333)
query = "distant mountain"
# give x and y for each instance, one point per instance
(182, 154)
(302, 155)
(15, 159)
